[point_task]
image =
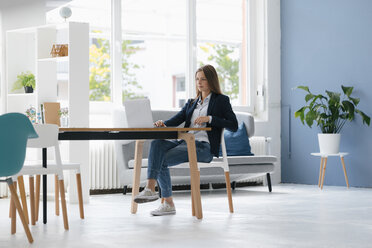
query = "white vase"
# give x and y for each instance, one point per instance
(329, 143)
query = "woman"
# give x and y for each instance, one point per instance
(209, 109)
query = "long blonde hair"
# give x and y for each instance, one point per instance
(212, 78)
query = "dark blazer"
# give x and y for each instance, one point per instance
(222, 117)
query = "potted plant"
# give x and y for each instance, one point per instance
(330, 113)
(25, 80)
(63, 115)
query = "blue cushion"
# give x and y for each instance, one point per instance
(237, 143)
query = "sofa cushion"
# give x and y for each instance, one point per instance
(237, 143)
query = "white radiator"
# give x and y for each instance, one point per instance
(103, 172)
(3, 190)
(260, 145)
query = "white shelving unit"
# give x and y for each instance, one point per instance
(29, 49)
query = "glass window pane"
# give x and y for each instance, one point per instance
(98, 14)
(154, 51)
(219, 25)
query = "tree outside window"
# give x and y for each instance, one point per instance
(100, 71)
(222, 57)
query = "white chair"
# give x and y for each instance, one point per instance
(48, 137)
(218, 163)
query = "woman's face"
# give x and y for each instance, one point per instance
(202, 82)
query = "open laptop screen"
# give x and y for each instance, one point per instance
(138, 113)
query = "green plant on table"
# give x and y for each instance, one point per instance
(330, 112)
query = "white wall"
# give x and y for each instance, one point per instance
(271, 127)
(31, 13)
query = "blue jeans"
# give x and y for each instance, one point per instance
(165, 153)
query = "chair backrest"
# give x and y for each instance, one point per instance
(48, 136)
(15, 130)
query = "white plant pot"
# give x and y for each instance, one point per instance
(329, 143)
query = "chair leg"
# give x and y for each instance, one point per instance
(37, 197)
(10, 208)
(13, 215)
(80, 195)
(192, 204)
(228, 189)
(17, 205)
(159, 189)
(32, 200)
(269, 181)
(22, 193)
(56, 194)
(233, 185)
(125, 189)
(63, 203)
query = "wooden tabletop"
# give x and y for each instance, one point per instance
(157, 129)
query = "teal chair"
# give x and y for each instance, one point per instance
(15, 130)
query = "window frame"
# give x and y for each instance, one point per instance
(191, 48)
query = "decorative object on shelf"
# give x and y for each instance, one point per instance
(59, 50)
(330, 112)
(63, 115)
(31, 114)
(25, 80)
(65, 12)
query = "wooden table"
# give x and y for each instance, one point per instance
(141, 134)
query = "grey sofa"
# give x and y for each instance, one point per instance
(241, 167)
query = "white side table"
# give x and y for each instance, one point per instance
(323, 165)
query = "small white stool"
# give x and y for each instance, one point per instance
(323, 165)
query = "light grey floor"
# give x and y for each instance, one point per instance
(290, 216)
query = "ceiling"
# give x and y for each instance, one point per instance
(50, 4)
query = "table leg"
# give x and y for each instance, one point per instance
(194, 172)
(44, 187)
(324, 168)
(136, 173)
(343, 165)
(320, 170)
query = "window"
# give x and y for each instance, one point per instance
(98, 14)
(219, 29)
(154, 57)
(153, 49)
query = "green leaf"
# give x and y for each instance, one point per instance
(303, 88)
(310, 117)
(298, 112)
(309, 97)
(334, 97)
(347, 90)
(349, 108)
(366, 118)
(355, 100)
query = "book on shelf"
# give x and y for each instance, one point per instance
(51, 112)
(42, 113)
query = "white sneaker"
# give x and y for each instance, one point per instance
(164, 209)
(146, 195)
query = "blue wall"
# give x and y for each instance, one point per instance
(326, 43)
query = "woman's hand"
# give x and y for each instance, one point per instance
(159, 123)
(201, 119)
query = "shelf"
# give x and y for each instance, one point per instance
(21, 94)
(56, 59)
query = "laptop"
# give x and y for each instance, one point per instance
(138, 113)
